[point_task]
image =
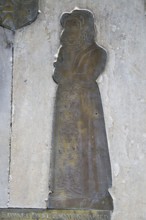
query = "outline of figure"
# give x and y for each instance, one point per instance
(80, 164)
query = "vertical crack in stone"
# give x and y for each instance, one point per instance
(10, 44)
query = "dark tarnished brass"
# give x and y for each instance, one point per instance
(80, 166)
(15, 14)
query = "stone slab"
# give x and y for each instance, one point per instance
(25, 214)
(121, 30)
(6, 39)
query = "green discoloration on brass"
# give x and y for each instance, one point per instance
(26, 214)
(15, 14)
(80, 167)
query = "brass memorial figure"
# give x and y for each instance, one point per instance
(80, 164)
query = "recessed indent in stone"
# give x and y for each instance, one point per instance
(15, 14)
(80, 167)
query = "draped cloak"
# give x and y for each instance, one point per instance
(80, 164)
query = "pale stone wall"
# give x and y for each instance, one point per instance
(6, 39)
(32, 117)
(121, 29)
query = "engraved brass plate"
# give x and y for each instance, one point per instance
(80, 166)
(26, 214)
(15, 14)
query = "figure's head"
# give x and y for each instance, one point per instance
(78, 27)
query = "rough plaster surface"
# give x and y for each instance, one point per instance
(121, 29)
(6, 39)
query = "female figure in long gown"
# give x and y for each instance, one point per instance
(80, 165)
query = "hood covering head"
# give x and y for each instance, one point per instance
(85, 21)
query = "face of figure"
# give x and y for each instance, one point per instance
(72, 33)
(69, 38)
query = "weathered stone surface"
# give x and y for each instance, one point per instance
(25, 214)
(122, 30)
(6, 40)
(32, 116)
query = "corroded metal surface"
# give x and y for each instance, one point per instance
(26, 214)
(15, 14)
(80, 166)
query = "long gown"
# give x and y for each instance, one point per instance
(80, 165)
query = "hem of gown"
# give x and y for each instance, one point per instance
(105, 203)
